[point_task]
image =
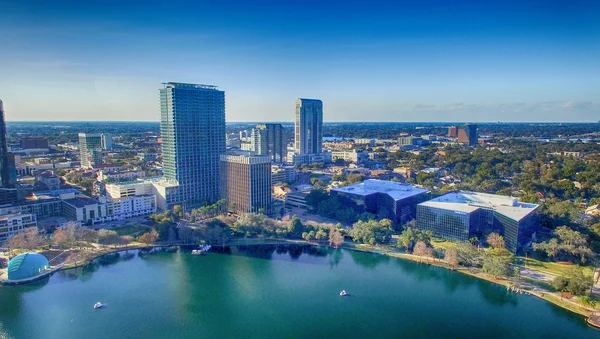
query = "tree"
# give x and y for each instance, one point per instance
(336, 239)
(314, 198)
(468, 255)
(451, 256)
(497, 266)
(178, 211)
(217, 232)
(108, 237)
(148, 238)
(573, 281)
(61, 238)
(411, 235)
(372, 232)
(126, 240)
(567, 242)
(251, 224)
(420, 248)
(495, 240)
(321, 234)
(295, 227)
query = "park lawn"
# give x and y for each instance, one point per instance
(442, 243)
(130, 229)
(550, 267)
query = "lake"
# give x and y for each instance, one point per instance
(275, 292)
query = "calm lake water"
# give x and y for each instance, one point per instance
(275, 293)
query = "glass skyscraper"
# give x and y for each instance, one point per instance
(90, 149)
(308, 127)
(4, 156)
(192, 129)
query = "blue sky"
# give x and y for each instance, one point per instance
(367, 60)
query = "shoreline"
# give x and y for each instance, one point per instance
(547, 296)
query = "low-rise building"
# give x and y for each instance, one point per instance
(350, 156)
(283, 174)
(12, 224)
(120, 176)
(49, 179)
(368, 142)
(87, 211)
(296, 199)
(462, 215)
(130, 189)
(307, 159)
(393, 200)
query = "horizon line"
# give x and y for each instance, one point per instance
(325, 122)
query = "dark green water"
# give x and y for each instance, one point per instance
(276, 295)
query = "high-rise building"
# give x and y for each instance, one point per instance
(4, 156)
(268, 139)
(9, 192)
(90, 149)
(106, 141)
(453, 131)
(468, 135)
(246, 183)
(192, 128)
(308, 127)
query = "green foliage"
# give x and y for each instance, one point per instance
(587, 300)
(295, 227)
(468, 255)
(252, 224)
(568, 244)
(216, 232)
(333, 208)
(574, 282)
(497, 266)
(108, 237)
(372, 232)
(411, 235)
(315, 197)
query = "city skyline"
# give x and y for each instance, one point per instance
(476, 62)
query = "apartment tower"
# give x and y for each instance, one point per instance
(90, 149)
(192, 128)
(269, 139)
(308, 127)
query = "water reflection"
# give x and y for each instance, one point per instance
(334, 257)
(294, 251)
(368, 260)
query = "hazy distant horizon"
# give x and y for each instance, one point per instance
(324, 122)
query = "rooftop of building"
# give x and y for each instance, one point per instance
(128, 184)
(396, 190)
(187, 85)
(81, 202)
(465, 201)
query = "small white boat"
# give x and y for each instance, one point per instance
(343, 293)
(98, 305)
